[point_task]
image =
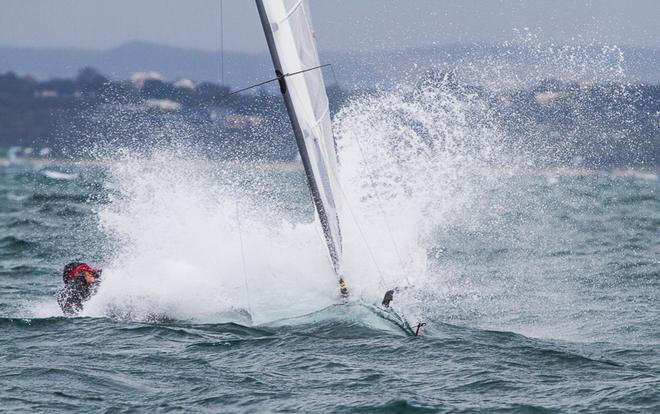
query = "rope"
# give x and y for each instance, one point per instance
(240, 238)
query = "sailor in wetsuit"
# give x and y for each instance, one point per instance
(80, 283)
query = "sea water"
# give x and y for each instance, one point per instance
(537, 281)
(540, 294)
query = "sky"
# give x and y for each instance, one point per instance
(341, 25)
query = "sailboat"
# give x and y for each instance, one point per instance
(292, 45)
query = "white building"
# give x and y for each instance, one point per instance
(139, 78)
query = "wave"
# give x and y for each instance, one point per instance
(13, 245)
(17, 197)
(60, 176)
(77, 198)
(18, 222)
(33, 322)
(464, 344)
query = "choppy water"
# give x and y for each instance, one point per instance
(541, 294)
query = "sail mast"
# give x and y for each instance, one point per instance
(307, 107)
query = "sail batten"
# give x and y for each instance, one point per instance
(292, 46)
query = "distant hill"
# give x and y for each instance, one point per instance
(477, 62)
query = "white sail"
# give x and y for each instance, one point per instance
(291, 41)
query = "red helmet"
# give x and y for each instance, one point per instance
(72, 270)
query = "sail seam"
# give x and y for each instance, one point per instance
(319, 119)
(293, 10)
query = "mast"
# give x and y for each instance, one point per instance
(306, 103)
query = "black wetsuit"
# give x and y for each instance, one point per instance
(73, 294)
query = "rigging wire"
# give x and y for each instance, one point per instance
(222, 47)
(245, 278)
(378, 203)
(353, 216)
(334, 75)
(238, 210)
(366, 243)
(277, 79)
(382, 211)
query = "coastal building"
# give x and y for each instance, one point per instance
(139, 78)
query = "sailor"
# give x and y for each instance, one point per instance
(80, 283)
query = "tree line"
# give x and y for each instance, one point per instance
(599, 125)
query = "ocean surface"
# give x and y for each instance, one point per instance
(540, 294)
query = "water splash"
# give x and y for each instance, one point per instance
(413, 161)
(450, 188)
(182, 225)
(433, 202)
(196, 239)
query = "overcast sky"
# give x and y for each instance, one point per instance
(341, 24)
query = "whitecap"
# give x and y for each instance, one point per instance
(17, 197)
(57, 175)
